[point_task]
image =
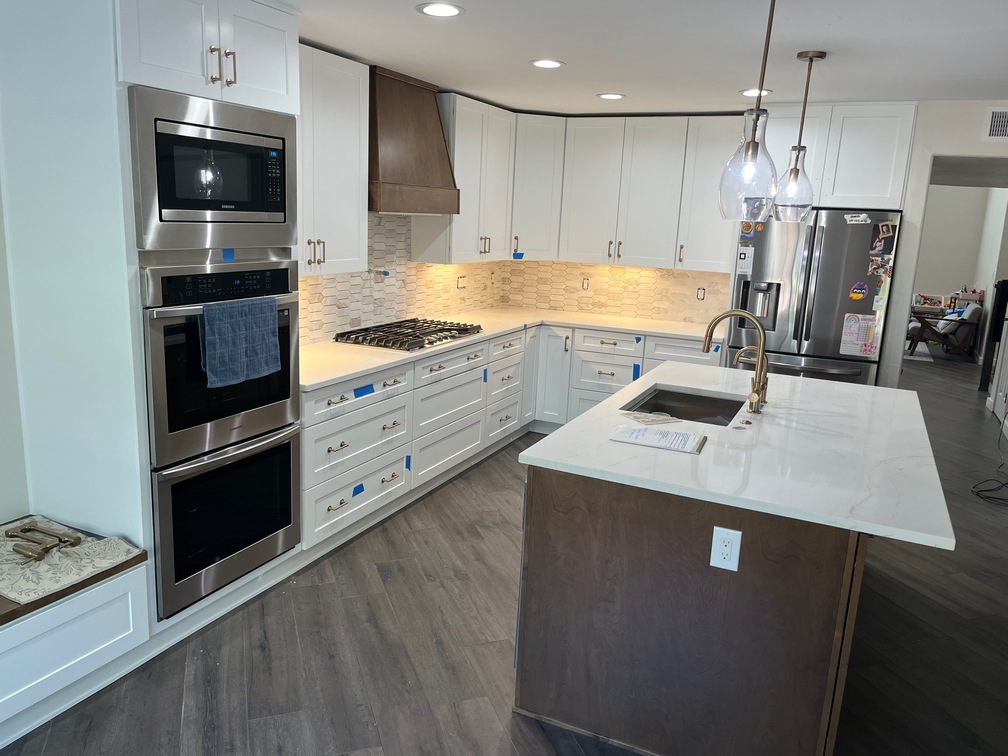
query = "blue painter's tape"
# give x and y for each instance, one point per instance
(717, 348)
(228, 253)
(484, 375)
(358, 489)
(363, 391)
(408, 460)
(636, 339)
(636, 371)
(518, 255)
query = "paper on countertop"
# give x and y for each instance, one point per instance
(659, 438)
(648, 418)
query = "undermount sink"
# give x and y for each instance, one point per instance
(699, 408)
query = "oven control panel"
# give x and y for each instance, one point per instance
(217, 287)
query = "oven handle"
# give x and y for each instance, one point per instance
(232, 454)
(182, 311)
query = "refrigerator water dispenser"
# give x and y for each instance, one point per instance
(760, 298)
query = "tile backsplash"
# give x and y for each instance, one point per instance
(394, 287)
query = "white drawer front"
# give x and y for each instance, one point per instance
(608, 342)
(581, 401)
(447, 447)
(442, 402)
(431, 369)
(504, 377)
(601, 373)
(681, 349)
(341, 501)
(341, 444)
(651, 364)
(341, 398)
(509, 344)
(57, 645)
(503, 417)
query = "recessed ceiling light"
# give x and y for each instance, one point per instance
(612, 96)
(547, 63)
(441, 10)
(754, 92)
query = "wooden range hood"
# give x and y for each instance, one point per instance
(409, 170)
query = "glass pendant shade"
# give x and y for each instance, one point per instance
(794, 196)
(749, 180)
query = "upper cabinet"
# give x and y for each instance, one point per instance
(621, 190)
(239, 51)
(782, 134)
(538, 183)
(332, 164)
(481, 143)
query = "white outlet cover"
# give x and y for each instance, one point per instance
(725, 547)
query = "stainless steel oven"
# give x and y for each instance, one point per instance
(210, 174)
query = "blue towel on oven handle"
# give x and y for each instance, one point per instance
(239, 340)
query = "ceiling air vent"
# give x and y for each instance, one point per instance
(996, 125)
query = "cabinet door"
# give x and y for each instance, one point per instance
(336, 181)
(706, 240)
(307, 263)
(530, 370)
(650, 191)
(166, 44)
(466, 139)
(593, 158)
(782, 134)
(263, 66)
(538, 182)
(867, 156)
(553, 381)
(498, 182)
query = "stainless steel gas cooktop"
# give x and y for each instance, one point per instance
(415, 333)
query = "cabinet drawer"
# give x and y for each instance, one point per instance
(581, 401)
(504, 377)
(442, 402)
(341, 501)
(342, 443)
(508, 344)
(431, 369)
(608, 342)
(341, 398)
(503, 417)
(681, 349)
(602, 373)
(446, 447)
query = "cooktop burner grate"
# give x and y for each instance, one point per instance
(407, 335)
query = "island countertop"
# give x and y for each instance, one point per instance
(849, 456)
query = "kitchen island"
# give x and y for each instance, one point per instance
(627, 632)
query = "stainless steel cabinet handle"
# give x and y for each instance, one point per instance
(508, 378)
(342, 445)
(395, 382)
(320, 244)
(214, 50)
(505, 418)
(311, 259)
(604, 342)
(619, 246)
(509, 345)
(566, 343)
(475, 356)
(488, 245)
(395, 424)
(516, 244)
(389, 480)
(436, 369)
(343, 398)
(609, 253)
(681, 248)
(234, 67)
(342, 503)
(613, 375)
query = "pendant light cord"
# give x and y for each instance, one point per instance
(766, 52)
(804, 104)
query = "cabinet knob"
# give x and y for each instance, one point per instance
(342, 445)
(214, 50)
(234, 67)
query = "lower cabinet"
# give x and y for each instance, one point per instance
(448, 446)
(681, 349)
(530, 369)
(503, 417)
(581, 401)
(440, 403)
(553, 380)
(598, 372)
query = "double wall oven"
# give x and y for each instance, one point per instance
(215, 217)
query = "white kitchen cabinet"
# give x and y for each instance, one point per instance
(782, 134)
(332, 164)
(602, 372)
(349, 395)
(505, 377)
(507, 345)
(503, 417)
(530, 369)
(441, 366)
(538, 186)
(239, 51)
(553, 383)
(682, 349)
(622, 187)
(446, 447)
(707, 241)
(867, 156)
(581, 401)
(481, 143)
(439, 403)
(616, 343)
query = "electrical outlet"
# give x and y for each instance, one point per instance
(701, 293)
(725, 549)
(584, 283)
(460, 282)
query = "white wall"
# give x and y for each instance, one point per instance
(942, 128)
(988, 260)
(950, 239)
(13, 483)
(70, 268)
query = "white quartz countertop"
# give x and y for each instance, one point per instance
(851, 456)
(324, 363)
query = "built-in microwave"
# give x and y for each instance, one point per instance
(210, 174)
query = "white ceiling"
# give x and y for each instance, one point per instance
(677, 55)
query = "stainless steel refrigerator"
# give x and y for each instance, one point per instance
(820, 288)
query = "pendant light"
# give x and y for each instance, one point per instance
(749, 180)
(794, 196)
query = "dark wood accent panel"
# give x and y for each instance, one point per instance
(853, 599)
(627, 632)
(414, 199)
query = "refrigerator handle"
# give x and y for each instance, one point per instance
(807, 251)
(811, 286)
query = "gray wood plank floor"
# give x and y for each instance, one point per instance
(402, 642)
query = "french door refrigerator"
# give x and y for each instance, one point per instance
(820, 288)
